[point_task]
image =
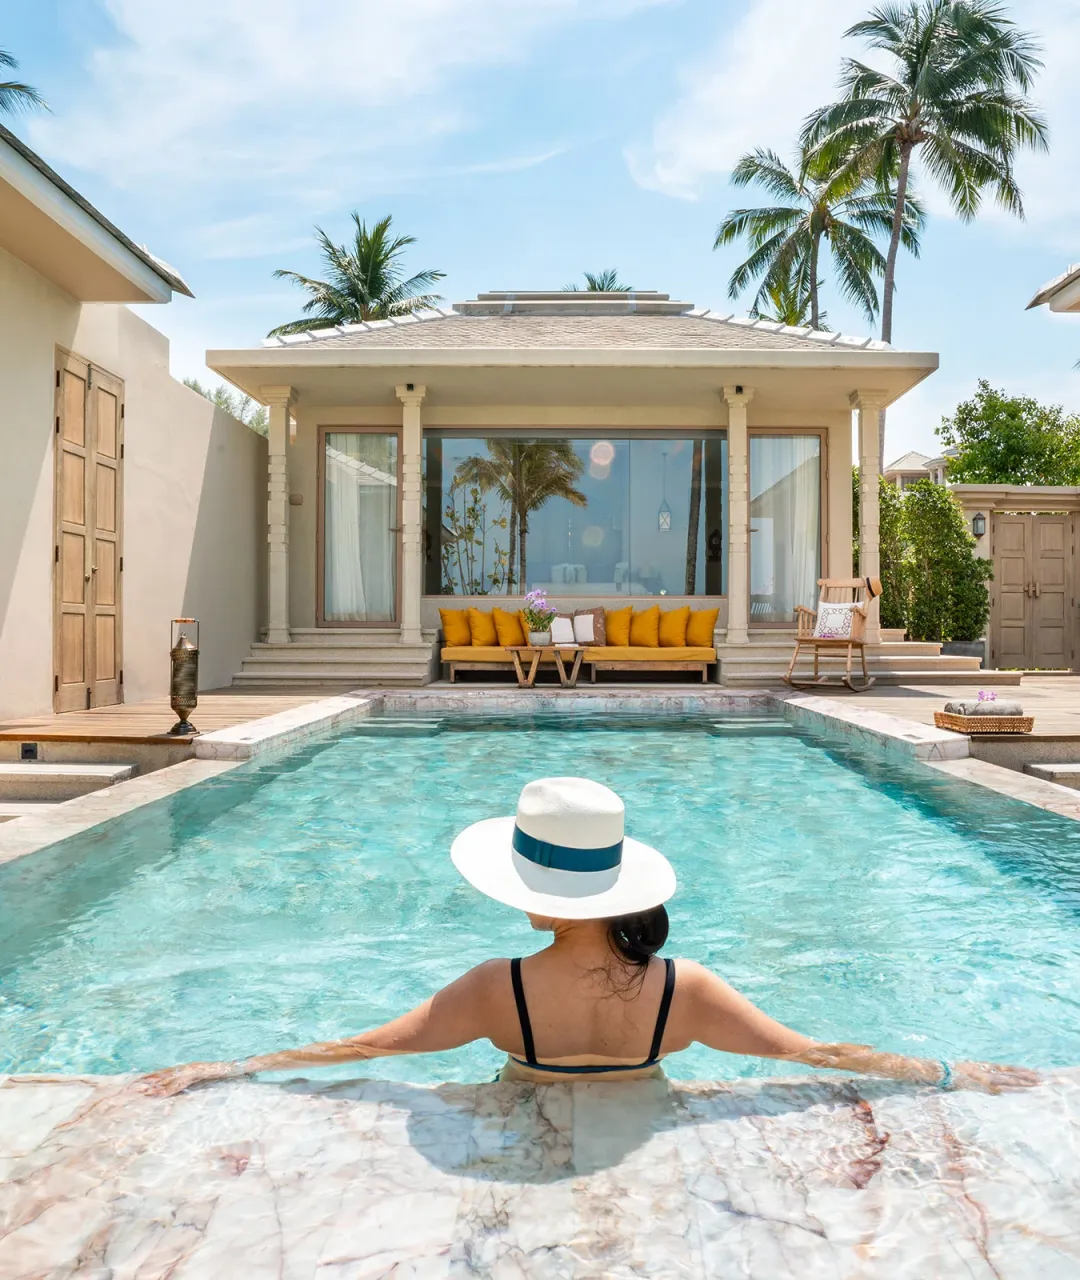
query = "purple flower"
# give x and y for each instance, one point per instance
(987, 695)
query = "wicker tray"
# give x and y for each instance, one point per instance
(983, 724)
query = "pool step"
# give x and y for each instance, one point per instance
(385, 727)
(733, 728)
(1065, 775)
(55, 783)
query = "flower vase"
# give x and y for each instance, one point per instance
(540, 639)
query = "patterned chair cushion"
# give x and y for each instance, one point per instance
(834, 621)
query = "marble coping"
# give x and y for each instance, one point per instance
(285, 730)
(751, 1180)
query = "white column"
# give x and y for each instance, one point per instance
(738, 566)
(279, 401)
(412, 533)
(868, 405)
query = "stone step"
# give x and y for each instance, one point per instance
(916, 649)
(404, 676)
(1065, 775)
(354, 636)
(912, 665)
(9, 810)
(383, 654)
(753, 678)
(36, 781)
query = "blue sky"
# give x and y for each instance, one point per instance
(522, 143)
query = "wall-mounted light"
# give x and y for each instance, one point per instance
(978, 524)
(663, 515)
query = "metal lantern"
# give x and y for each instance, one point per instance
(978, 524)
(184, 680)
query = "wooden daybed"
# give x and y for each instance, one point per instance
(656, 656)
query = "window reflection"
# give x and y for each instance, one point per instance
(596, 515)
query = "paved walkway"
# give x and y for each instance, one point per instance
(1054, 701)
(808, 1179)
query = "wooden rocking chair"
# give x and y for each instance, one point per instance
(856, 592)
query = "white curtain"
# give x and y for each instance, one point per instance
(360, 513)
(785, 523)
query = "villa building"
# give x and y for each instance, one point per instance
(659, 451)
(914, 466)
(125, 498)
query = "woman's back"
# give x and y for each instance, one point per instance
(577, 1005)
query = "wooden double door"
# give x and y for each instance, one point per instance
(88, 536)
(1033, 619)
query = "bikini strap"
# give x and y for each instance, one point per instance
(665, 1006)
(523, 1013)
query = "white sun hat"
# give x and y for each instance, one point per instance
(564, 855)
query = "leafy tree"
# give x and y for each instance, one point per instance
(961, 69)
(242, 407)
(599, 282)
(821, 200)
(787, 302)
(892, 549)
(466, 526)
(14, 96)
(366, 281)
(947, 596)
(1003, 439)
(524, 474)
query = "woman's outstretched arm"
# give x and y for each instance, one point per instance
(718, 1016)
(456, 1015)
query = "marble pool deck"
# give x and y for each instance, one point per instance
(762, 1180)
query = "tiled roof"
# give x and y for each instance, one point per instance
(574, 321)
(913, 461)
(1056, 286)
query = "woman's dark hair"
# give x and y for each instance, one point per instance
(635, 939)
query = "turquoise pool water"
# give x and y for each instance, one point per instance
(312, 897)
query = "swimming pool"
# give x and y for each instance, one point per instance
(854, 898)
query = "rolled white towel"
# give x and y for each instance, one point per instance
(991, 707)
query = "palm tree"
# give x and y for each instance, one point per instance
(787, 302)
(524, 474)
(16, 97)
(957, 96)
(365, 281)
(820, 201)
(600, 282)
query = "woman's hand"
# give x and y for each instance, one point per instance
(991, 1077)
(173, 1080)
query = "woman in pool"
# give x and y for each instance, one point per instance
(598, 1003)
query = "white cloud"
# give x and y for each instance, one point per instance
(225, 105)
(753, 89)
(761, 79)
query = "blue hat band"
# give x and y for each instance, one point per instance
(561, 857)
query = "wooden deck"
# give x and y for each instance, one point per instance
(150, 721)
(1054, 701)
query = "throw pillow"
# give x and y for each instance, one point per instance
(508, 627)
(834, 621)
(562, 629)
(455, 625)
(617, 626)
(482, 628)
(591, 624)
(673, 627)
(645, 628)
(700, 628)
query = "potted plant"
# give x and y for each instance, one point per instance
(538, 615)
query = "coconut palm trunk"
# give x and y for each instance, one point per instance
(888, 287)
(694, 519)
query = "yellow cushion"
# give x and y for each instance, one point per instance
(482, 627)
(700, 628)
(673, 627)
(645, 627)
(455, 625)
(637, 653)
(508, 627)
(494, 653)
(617, 625)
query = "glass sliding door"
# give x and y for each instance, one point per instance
(360, 528)
(584, 514)
(785, 525)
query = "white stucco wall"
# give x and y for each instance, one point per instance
(194, 498)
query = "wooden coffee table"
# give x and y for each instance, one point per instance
(526, 678)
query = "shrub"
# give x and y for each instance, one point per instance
(891, 539)
(947, 596)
